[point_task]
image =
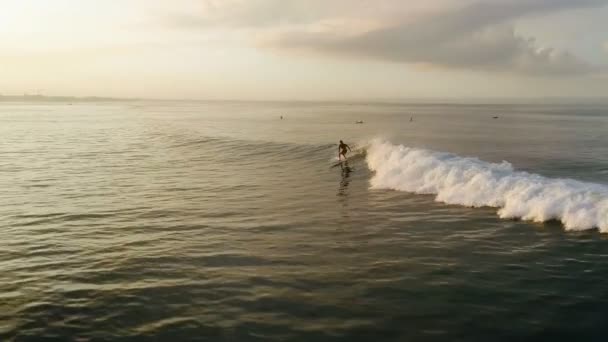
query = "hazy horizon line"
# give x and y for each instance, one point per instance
(510, 100)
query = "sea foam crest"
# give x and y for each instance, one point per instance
(475, 183)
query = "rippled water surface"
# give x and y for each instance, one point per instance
(221, 222)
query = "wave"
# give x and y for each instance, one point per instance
(219, 149)
(474, 183)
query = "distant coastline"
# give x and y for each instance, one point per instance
(43, 98)
(385, 102)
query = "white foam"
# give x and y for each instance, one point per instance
(475, 183)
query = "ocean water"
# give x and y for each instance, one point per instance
(218, 221)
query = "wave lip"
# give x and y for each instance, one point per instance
(474, 183)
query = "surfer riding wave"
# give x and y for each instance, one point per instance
(342, 150)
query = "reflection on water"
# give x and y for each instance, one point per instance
(346, 170)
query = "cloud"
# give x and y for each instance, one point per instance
(466, 34)
(271, 13)
(489, 49)
(477, 37)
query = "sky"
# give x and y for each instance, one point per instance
(305, 49)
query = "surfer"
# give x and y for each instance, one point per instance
(342, 150)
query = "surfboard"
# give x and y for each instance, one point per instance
(340, 162)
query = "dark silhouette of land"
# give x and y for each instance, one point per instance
(43, 98)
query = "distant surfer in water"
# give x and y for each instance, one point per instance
(342, 150)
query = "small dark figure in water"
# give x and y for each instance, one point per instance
(359, 122)
(411, 118)
(342, 150)
(281, 117)
(495, 117)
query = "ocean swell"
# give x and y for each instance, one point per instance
(474, 183)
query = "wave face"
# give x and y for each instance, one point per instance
(474, 183)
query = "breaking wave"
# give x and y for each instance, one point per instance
(474, 183)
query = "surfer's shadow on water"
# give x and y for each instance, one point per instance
(345, 181)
